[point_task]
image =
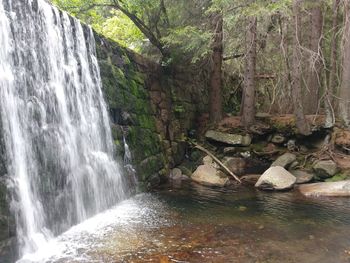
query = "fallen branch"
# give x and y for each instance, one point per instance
(217, 161)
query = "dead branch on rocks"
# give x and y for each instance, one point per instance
(217, 161)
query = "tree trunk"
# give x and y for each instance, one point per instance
(311, 95)
(331, 89)
(215, 99)
(301, 121)
(345, 84)
(248, 100)
(332, 82)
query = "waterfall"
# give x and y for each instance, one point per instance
(54, 122)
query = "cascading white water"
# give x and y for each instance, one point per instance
(60, 164)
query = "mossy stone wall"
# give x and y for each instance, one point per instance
(154, 107)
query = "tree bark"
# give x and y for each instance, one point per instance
(312, 93)
(331, 87)
(345, 84)
(215, 99)
(301, 121)
(248, 100)
(332, 83)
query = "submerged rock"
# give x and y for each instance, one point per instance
(208, 175)
(285, 160)
(176, 175)
(303, 177)
(276, 178)
(325, 169)
(341, 188)
(235, 164)
(250, 178)
(228, 138)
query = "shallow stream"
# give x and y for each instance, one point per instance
(193, 223)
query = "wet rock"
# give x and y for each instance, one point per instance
(207, 160)
(276, 178)
(228, 138)
(229, 150)
(278, 138)
(175, 174)
(325, 169)
(303, 177)
(285, 160)
(7, 227)
(341, 188)
(208, 175)
(235, 164)
(291, 145)
(245, 154)
(153, 181)
(250, 178)
(293, 165)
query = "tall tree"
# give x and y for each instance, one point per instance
(216, 71)
(331, 87)
(248, 100)
(301, 121)
(332, 82)
(345, 84)
(314, 78)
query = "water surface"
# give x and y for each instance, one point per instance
(193, 223)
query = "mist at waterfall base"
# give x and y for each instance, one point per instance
(60, 167)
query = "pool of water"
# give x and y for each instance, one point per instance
(192, 223)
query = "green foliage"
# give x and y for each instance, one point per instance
(190, 40)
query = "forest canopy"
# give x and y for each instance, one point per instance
(262, 55)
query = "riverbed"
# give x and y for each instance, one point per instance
(193, 223)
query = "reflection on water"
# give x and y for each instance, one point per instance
(199, 224)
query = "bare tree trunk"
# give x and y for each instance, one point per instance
(345, 84)
(312, 93)
(248, 112)
(331, 87)
(216, 72)
(301, 121)
(332, 83)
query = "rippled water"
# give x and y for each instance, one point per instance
(198, 224)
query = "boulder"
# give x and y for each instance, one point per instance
(208, 175)
(285, 160)
(176, 174)
(229, 150)
(293, 165)
(276, 178)
(207, 160)
(235, 164)
(303, 177)
(228, 138)
(325, 169)
(341, 188)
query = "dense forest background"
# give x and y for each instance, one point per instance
(277, 56)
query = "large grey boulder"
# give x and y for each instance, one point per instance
(341, 188)
(208, 175)
(276, 178)
(303, 177)
(284, 160)
(325, 169)
(228, 138)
